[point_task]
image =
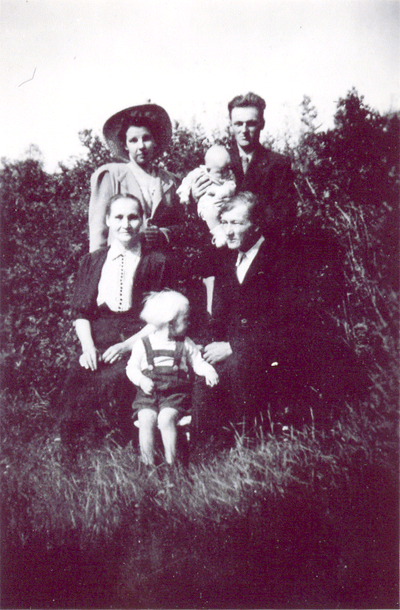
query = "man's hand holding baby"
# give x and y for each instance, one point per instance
(200, 186)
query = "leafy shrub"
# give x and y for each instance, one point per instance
(348, 184)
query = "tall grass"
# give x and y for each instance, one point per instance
(273, 520)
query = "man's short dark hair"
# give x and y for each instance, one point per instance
(250, 200)
(246, 101)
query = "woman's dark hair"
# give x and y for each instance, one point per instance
(140, 120)
(121, 196)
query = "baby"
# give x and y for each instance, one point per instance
(217, 168)
(161, 365)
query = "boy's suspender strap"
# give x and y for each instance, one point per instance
(151, 354)
(178, 354)
(149, 351)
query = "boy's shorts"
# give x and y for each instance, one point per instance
(160, 400)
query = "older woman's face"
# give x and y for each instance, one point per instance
(140, 145)
(124, 222)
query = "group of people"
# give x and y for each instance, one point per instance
(265, 351)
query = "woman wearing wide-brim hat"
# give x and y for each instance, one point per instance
(137, 136)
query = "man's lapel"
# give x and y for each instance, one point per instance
(260, 265)
(261, 157)
(236, 163)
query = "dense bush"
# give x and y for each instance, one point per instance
(348, 184)
(305, 519)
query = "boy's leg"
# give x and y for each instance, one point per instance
(167, 424)
(147, 424)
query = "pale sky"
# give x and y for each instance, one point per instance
(91, 58)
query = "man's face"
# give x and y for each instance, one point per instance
(246, 125)
(239, 230)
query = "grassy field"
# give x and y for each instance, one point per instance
(303, 519)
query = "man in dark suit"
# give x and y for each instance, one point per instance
(257, 169)
(270, 336)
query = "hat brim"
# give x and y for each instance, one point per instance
(151, 114)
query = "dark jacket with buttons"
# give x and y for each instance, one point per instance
(153, 273)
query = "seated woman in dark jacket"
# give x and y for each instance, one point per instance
(109, 291)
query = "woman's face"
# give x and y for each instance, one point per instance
(140, 145)
(124, 222)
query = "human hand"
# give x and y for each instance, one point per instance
(217, 351)
(146, 384)
(114, 353)
(200, 186)
(89, 358)
(153, 236)
(212, 378)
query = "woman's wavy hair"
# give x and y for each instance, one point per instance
(141, 119)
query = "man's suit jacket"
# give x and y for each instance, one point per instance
(278, 320)
(270, 177)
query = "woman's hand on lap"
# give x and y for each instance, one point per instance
(89, 359)
(114, 353)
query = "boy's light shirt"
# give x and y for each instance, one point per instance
(138, 360)
(243, 262)
(109, 291)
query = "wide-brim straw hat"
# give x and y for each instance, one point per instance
(154, 117)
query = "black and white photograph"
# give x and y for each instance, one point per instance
(200, 304)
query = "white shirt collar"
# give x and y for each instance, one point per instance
(245, 259)
(244, 155)
(116, 250)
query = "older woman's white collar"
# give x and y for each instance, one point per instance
(116, 250)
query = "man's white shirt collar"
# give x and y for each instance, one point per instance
(245, 259)
(245, 158)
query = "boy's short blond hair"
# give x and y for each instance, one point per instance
(162, 307)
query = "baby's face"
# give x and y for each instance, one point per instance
(219, 172)
(218, 164)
